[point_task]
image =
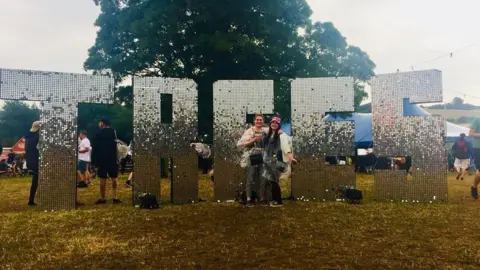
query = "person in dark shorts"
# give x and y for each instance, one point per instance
(475, 133)
(104, 157)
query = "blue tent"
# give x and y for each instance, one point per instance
(287, 128)
(363, 124)
(363, 128)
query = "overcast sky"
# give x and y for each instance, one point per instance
(54, 35)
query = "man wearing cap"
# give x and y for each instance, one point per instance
(32, 155)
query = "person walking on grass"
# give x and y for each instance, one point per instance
(104, 157)
(32, 154)
(462, 151)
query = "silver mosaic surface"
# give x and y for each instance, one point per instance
(314, 138)
(233, 100)
(421, 137)
(60, 94)
(154, 140)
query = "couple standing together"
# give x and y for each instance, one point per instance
(267, 154)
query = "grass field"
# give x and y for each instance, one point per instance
(209, 235)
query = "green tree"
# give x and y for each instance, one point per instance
(211, 40)
(121, 118)
(456, 104)
(16, 118)
(120, 114)
(124, 96)
(476, 124)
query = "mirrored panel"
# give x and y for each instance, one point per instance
(420, 137)
(158, 136)
(314, 138)
(233, 100)
(60, 94)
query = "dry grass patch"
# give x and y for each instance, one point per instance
(229, 236)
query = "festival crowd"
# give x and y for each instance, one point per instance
(102, 153)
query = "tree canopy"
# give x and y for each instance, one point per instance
(211, 40)
(215, 40)
(16, 118)
(456, 104)
(205, 41)
(121, 118)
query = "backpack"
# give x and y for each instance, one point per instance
(148, 201)
(461, 149)
(122, 148)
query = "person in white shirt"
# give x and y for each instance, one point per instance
(84, 153)
(251, 142)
